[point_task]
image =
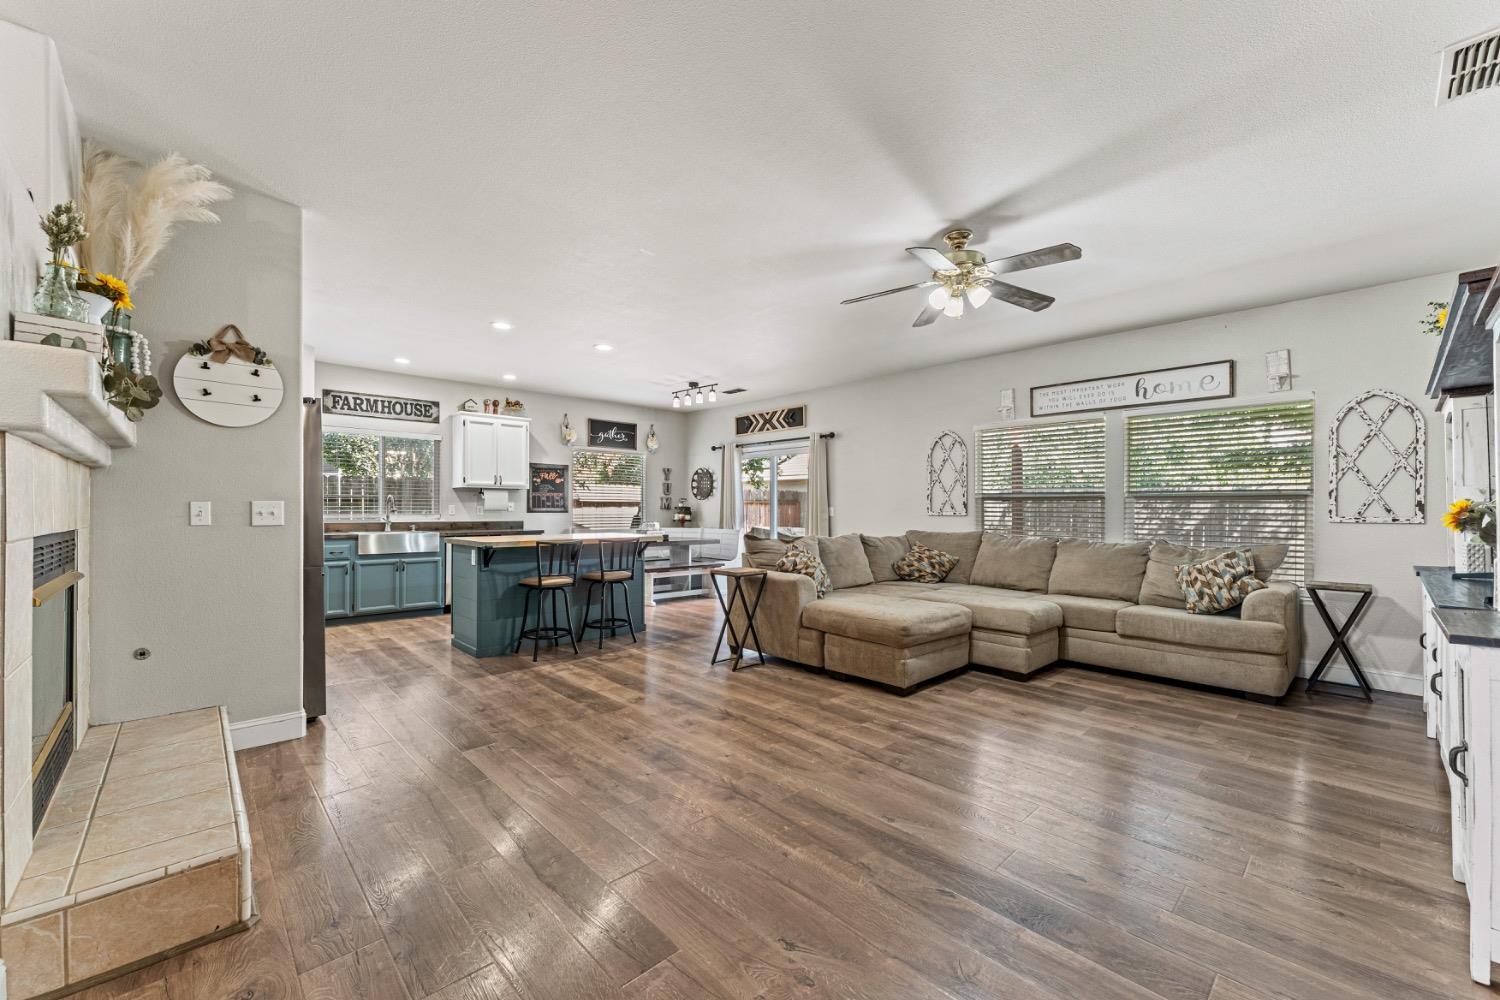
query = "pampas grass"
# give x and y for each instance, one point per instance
(133, 211)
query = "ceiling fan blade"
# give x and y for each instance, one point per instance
(888, 291)
(927, 316)
(1018, 296)
(932, 258)
(1035, 258)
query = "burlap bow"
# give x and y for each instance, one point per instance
(220, 347)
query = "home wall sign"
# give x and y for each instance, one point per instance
(549, 489)
(786, 418)
(612, 434)
(227, 381)
(1377, 447)
(1213, 380)
(948, 476)
(341, 402)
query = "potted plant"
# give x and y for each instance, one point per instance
(1476, 518)
(116, 316)
(57, 294)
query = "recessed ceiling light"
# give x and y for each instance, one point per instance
(500, 324)
(603, 347)
(402, 361)
(508, 377)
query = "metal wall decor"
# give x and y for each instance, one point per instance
(786, 418)
(948, 476)
(703, 483)
(1377, 448)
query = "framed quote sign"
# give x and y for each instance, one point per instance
(549, 489)
(612, 434)
(1212, 380)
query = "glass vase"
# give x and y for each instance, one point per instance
(57, 295)
(117, 325)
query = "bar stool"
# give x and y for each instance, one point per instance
(617, 560)
(556, 572)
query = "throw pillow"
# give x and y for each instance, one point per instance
(924, 565)
(801, 557)
(1220, 583)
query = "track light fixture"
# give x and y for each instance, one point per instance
(694, 394)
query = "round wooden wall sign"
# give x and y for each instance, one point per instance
(232, 393)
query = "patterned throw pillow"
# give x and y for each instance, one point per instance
(801, 557)
(1220, 583)
(924, 565)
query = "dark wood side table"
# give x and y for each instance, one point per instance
(1339, 632)
(737, 575)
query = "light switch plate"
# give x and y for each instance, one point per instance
(200, 513)
(264, 513)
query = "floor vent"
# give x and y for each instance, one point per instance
(1473, 64)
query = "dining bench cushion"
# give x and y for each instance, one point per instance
(1176, 625)
(1015, 562)
(887, 621)
(998, 612)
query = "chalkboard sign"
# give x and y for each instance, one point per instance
(549, 489)
(611, 434)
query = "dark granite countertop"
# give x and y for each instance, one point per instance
(1470, 627)
(1447, 592)
(448, 529)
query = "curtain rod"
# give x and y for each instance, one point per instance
(825, 435)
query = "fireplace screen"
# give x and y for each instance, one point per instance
(55, 579)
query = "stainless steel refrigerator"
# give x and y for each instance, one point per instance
(314, 696)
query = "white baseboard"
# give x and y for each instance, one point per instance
(1380, 680)
(269, 729)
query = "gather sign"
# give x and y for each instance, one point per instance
(1212, 380)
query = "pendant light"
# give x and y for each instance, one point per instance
(676, 401)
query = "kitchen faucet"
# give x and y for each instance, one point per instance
(390, 509)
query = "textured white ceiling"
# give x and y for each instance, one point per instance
(700, 184)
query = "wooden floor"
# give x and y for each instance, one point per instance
(637, 824)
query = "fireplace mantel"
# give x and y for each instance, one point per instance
(54, 398)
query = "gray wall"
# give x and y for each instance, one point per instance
(1341, 344)
(219, 607)
(546, 413)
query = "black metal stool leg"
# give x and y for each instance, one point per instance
(568, 610)
(629, 618)
(521, 635)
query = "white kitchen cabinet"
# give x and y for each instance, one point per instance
(1467, 447)
(488, 451)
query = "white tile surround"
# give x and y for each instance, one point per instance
(41, 492)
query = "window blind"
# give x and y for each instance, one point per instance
(1043, 479)
(607, 488)
(1224, 477)
(363, 471)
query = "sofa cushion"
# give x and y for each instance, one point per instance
(1018, 615)
(962, 544)
(882, 551)
(889, 621)
(762, 553)
(1219, 584)
(802, 557)
(1099, 569)
(1160, 587)
(901, 588)
(925, 565)
(844, 557)
(1176, 625)
(1014, 562)
(1097, 613)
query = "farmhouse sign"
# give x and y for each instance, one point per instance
(367, 404)
(1214, 380)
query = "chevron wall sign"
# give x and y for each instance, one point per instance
(787, 418)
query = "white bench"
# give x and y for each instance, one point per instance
(719, 547)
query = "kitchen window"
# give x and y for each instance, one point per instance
(607, 488)
(1231, 476)
(366, 474)
(1042, 479)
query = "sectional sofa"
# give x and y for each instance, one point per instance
(1018, 604)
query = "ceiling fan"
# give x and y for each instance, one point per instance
(965, 274)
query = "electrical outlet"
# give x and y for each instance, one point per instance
(264, 513)
(510, 506)
(200, 513)
(451, 510)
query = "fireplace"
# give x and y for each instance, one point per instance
(55, 576)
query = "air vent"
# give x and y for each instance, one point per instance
(1473, 64)
(731, 392)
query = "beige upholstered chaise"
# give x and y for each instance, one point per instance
(1019, 604)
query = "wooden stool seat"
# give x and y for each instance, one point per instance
(543, 583)
(607, 576)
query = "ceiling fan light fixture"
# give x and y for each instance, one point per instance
(978, 295)
(955, 307)
(939, 297)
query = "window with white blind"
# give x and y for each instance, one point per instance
(606, 488)
(366, 474)
(1231, 476)
(1042, 479)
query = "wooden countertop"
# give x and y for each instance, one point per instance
(530, 541)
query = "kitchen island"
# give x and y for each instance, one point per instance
(488, 599)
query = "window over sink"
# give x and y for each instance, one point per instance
(607, 488)
(367, 472)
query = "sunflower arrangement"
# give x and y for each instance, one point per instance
(1466, 515)
(1437, 318)
(112, 288)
